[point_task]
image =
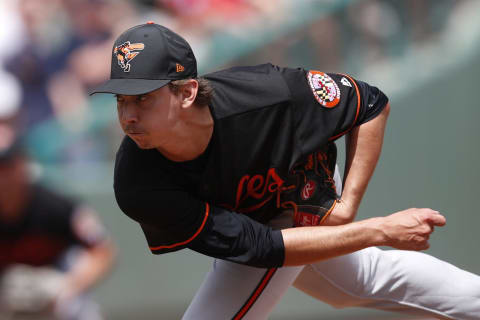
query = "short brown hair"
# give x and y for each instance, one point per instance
(204, 94)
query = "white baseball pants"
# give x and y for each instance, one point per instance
(403, 281)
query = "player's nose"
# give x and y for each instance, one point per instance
(129, 113)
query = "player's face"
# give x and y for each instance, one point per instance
(149, 119)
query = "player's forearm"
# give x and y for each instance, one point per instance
(406, 230)
(364, 144)
(307, 245)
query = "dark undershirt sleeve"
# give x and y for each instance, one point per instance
(237, 238)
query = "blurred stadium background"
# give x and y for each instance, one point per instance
(425, 54)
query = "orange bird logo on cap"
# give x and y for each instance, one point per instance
(126, 52)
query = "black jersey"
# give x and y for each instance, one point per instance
(266, 119)
(43, 232)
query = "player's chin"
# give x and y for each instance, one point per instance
(145, 146)
(142, 141)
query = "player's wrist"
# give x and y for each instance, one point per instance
(375, 228)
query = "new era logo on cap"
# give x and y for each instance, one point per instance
(180, 68)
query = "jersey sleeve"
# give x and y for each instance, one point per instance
(146, 192)
(170, 219)
(328, 105)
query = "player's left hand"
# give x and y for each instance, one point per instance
(314, 195)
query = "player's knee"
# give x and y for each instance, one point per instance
(396, 272)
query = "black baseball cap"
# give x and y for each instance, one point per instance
(147, 57)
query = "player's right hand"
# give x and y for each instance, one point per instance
(410, 229)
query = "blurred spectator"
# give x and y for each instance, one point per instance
(425, 20)
(14, 34)
(65, 45)
(35, 61)
(63, 51)
(11, 94)
(52, 249)
(377, 30)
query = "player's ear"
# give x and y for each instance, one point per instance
(188, 92)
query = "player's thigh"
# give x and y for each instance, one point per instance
(372, 273)
(234, 291)
(310, 282)
(339, 282)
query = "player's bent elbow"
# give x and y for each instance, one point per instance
(386, 110)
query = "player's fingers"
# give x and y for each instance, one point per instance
(436, 219)
(422, 242)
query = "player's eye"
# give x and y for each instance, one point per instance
(119, 98)
(142, 97)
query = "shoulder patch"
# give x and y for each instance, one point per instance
(324, 88)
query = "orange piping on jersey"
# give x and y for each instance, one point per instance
(328, 213)
(207, 210)
(261, 286)
(358, 110)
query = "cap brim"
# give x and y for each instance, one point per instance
(130, 87)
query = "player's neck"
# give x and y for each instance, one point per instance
(192, 136)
